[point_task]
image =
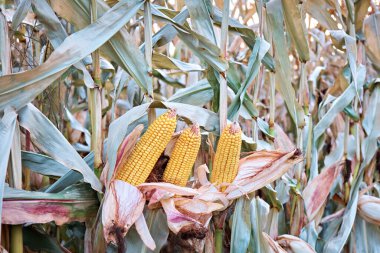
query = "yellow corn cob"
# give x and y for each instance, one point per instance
(226, 161)
(183, 156)
(136, 169)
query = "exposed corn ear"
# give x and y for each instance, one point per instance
(183, 156)
(137, 167)
(226, 161)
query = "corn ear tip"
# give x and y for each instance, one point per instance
(195, 129)
(172, 113)
(234, 128)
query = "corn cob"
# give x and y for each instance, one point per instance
(137, 167)
(226, 161)
(183, 156)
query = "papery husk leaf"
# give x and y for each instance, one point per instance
(294, 244)
(175, 189)
(200, 174)
(272, 246)
(2, 250)
(186, 208)
(212, 194)
(259, 169)
(143, 231)
(197, 206)
(317, 191)
(369, 209)
(170, 146)
(176, 220)
(123, 204)
(127, 145)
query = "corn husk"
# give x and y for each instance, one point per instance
(123, 206)
(369, 209)
(259, 169)
(186, 208)
(123, 203)
(293, 244)
(272, 245)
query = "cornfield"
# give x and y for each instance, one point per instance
(190, 126)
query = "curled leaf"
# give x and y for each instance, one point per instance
(259, 169)
(127, 145)
(125, 149)
(143, 231)
(2, 250)
(187, 210)
(272, 246)
(369, 209)
(294, 244)
(177, 220)
(175, 189)
(200, 174)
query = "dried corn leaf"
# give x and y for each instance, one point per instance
(50, 140)
(7, 130)
(76, 203)
(372, 35)
(296, 28)
(317, 191)
(19, 89)
(319, 9)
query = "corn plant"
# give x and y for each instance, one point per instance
(189, 126)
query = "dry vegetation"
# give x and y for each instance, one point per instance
(82, 80)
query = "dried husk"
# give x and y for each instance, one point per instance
(272, 246)
(186, 208)
(261, 168)
(123, 206)
(293, 244)
(369, 209)
(123, 203)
